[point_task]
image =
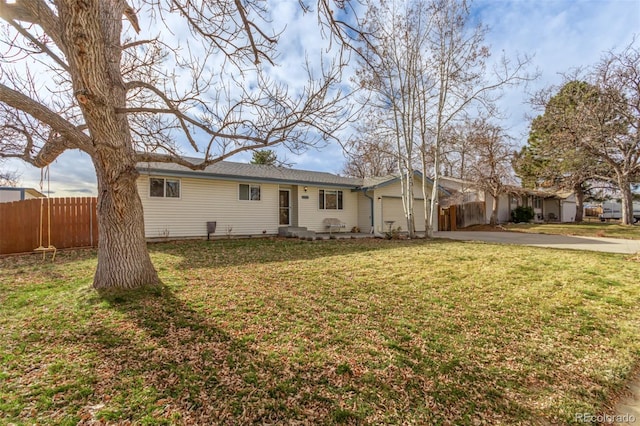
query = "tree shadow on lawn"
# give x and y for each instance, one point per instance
(169, 362)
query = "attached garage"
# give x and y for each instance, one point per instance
(383, 197)
(393, 211)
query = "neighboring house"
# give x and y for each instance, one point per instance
(9, 194)
(475, 205)
(548, 206)
(252, 199)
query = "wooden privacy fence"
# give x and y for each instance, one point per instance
(73, 224)
(470, 214)
(447, 219)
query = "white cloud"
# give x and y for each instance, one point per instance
(562, 34)
(70, 175)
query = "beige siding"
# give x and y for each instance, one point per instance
(568, 211)
(204, 200)
(294, 205)
(311, 217)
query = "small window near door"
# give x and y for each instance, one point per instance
(249, 192)
(330, 200)
(164, 188)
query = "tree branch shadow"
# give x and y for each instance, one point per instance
(189, 369)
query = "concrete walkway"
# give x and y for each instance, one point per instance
(609, 245)
(628, 408)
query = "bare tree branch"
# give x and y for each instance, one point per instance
(72, 137)
(43, 47)
(35, 12)
(211, 87)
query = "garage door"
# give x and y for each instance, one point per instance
(392, 210)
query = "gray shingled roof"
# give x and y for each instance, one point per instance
(376, 182)
(255, 172)
(370, 182)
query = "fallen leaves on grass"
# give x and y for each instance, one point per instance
(282, 332)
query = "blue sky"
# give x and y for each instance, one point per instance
(560, 34)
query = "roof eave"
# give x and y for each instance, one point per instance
(230, 177)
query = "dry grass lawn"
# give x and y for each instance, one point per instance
(334, 332)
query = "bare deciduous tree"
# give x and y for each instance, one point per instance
(490, 163)
(616, 120)
(8, 177)
(593, 126)
(426, 67)
(392, 71)
(370, 152)
(74, 77)
(462, 80)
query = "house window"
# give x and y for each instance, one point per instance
(330, 200)
(537, 203)
(249, 192)
(164, 188)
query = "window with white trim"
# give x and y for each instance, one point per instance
(164, 188)
(537, 202)
(330, 200)
(249, 192)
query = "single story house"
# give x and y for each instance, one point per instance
(9, 194)
(548, 206)
(251, 199)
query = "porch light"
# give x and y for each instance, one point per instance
(305, 188)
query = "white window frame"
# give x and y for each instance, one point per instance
(164, 187)
(537, 203)
(250, 187)
(339, 195)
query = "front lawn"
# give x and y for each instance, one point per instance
(611, 230)
(333, 332)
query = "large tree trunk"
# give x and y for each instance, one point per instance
(123, 259)
(92, 30)
(624, 184)
(494, 210)
(579, 190)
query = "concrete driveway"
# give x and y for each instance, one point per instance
(609, 245)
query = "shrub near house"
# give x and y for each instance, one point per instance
(522, 214)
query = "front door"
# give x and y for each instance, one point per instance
(285, 207)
